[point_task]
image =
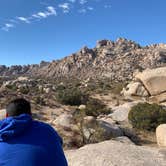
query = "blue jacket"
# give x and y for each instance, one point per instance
(26, 142)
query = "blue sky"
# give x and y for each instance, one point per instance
(35, 30)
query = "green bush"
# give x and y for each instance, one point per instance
(11, 87)
(70, 96)
(95, 107)
(39, 100)
(117, 87)
(24, 90)
(146, 116)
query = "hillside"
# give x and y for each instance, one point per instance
(117, 60)
(90, 96)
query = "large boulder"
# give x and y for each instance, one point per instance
(135, 89)
(120, 152)
(161, 135)
(154, 80)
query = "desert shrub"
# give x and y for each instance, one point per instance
(60, 87)
(72, 96)
(147, 116)
(104, 85)
(95, 107)
(88, 132)
(24, 90)
(39, 100)
(11, 87)
(117, 87)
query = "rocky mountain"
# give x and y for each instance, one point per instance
(117, 60)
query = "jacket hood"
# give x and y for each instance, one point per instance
(13, 126)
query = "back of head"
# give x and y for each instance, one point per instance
(17, 107)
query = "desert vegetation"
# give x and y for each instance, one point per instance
(145, 116)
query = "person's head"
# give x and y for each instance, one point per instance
(17, 107)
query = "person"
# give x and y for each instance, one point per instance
(27, 142)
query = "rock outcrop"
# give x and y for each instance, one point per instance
(117, 60)
(149, 83)
(120, 152)
(154, 80)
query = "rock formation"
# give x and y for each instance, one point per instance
(120, 152)
(117, 60)
(149, 83)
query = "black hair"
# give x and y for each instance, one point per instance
(18, 106)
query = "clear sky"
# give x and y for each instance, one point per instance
(35, 30)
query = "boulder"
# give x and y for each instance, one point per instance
(64, 120)
(110, 129)
(22, 78)
(120, 113)
(2, 114)
(89, 119)
(120, 152)
(135, 89)
(81, 107)
(159, 98)
(154, 80)
(161, 135)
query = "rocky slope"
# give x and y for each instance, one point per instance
(117, 60)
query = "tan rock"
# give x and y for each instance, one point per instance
(154, 80)
(135, 89)
(161, 135)
(115, 153)
(81, 107)
(159, 98)
(89, 119)
(2, 114)
(64, 120)
(22, 78)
